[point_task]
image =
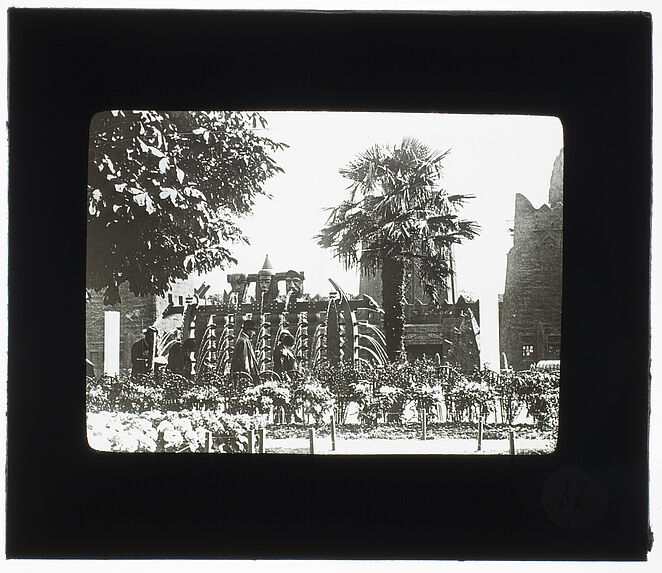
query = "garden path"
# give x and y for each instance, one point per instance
(406, 446)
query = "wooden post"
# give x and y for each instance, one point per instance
(333, 430)
(480, 435)
(152, 367)
(251, 441)
(207, 442)
(262, 432)
(424, 423)
(511, 440)
(311, 437)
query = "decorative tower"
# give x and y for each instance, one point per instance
(264, 284)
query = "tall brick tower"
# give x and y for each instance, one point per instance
(530, 314)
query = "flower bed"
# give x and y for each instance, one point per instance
(172, 414)
(183, 431)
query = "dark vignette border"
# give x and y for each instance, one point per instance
(590, 70)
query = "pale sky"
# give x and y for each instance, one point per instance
(492, 157)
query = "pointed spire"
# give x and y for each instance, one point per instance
(267, 268)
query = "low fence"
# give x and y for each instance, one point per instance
(257, 439)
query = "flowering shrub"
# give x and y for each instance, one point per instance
(540, 390)
(373, 404)
(426, 396)
(467, 398)
(278, 393)
(509, 388)
(379, 391)
(252, 400)
(396, 374)
(390, 398)
(229, 386)
(145, 392)
(232, 429)
(388, 388)
(124, 394)
(120, 432)
(393, 383)
(261, 398)
(209, 396)
(536, 390)
(155, 431)
(313, 399)
(341, 380)
(402, 383)
(363, 395)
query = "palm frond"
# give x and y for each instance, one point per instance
(397, 209)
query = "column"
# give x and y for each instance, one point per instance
(111, 343)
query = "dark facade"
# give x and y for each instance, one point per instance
(530, 312)
(450, 329)
(136, 314)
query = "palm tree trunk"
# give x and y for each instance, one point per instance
(393, 302)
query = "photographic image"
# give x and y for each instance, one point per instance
(331, 283)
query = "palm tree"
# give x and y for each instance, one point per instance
(396, 215)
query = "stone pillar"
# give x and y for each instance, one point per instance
(111, 343)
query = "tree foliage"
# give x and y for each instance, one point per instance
(397, 214)
(164, 193)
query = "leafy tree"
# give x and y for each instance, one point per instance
(164, 193)
(397, 215)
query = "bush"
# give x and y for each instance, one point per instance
(509, 388)
(369, 406)
(145, 392)
(196, 396)
(125, 394)
(313, 399)
(341, 381)
(393, 385)
(231, 429)
(384, 389)
(537, 390)
(262, 398)
(229, 386)
(406, 382)
(426, 396)
(541, 393)
(467, 398)
(156, 431)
